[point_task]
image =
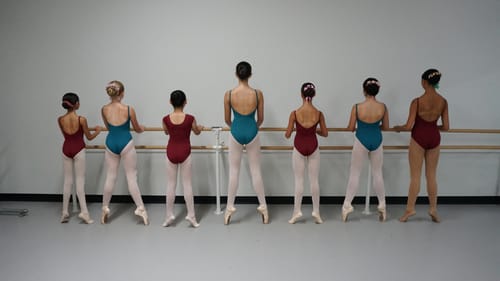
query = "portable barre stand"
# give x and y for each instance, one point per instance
(14, 212)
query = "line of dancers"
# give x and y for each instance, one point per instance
(244, 114)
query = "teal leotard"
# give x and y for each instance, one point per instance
(244, 127)
(369, 134)
(118, 136)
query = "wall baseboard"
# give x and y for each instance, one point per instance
(160, 199)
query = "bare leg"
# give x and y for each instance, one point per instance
(298, 164)
(313, 161)
(171, 184)
(431, 163)
(68, 183)
(416, 158)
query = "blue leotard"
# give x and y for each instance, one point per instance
(118, 136)
(244, 127)
(369, 134)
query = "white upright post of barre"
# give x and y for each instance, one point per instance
(368, 188)
(218, 149)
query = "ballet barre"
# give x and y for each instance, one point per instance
(219, 147)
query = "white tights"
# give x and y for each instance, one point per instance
(129, 157)
(185, 170)
(359, 153)
(79, 168)
(253, 153)
(299, 163)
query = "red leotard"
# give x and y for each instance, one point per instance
(426, 133)
(73, 143)
(305, 140)
(179, 146)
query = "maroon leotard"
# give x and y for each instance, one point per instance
(426, 133)
(73, 143)
(305, 140)
(179, 145)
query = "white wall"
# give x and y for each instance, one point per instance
(53, 46)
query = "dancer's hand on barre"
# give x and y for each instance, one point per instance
(399, 128)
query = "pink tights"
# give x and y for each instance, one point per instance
(79, 168)
(299, 163)
(185, 169)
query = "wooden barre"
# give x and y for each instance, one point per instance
(327, 147)
(277, 129)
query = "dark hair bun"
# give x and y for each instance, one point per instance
(243, 70)
(177, 98)
(371, 86)
(308, 90)
(69, 100)
(433, 76)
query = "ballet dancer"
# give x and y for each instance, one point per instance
(366, 118)
(119, 145)
(178, 125)
(73, 127)
(424, 113)
(244, 102)
(305, 120)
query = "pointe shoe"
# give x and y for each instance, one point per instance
(434, 217)
(141, 212)
(346, 212)
(193, 221)
(64, 217)
(382, 214)
(85, 218)
(295, 217)
(317, 218)
(169, 221)
(265, 215)
(105, 214)
(406, 215)
(227, 215)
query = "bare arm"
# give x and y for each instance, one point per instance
(352, 120)
(291, 122)
(196, 128)
(86, 131)
(135, 124)
(445, 118)
(385, 120)
(323, 131)
(104, 118)
(411, 118)
(165, 129)
(227, 110)
(260, 108)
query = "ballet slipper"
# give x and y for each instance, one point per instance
(193, 221)
(317, 218)
(168, 221)
(141, 212)
(227, 215)
(85, 218)
(434, 216)
(346, 212)
(105, 214)
(64, 217)
(406, 215)
(265, 215)
(382, 214)
(295, 217)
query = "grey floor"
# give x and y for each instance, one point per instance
(465, 246)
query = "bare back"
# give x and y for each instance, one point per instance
(243, 100)
(431, 106)
(307, 115)
(371, 111)
(115, 113)
(69, 123)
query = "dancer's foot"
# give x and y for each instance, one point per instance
(227, 215)
(317, 218)
(85, 218)
(346, 212)
(295, 217)
(193, 221)
(168, 221)
(434, 216)
(64, 217)
(265, 215)
(105, 214)
(382, 214)
(141, 212)
(406, 215)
